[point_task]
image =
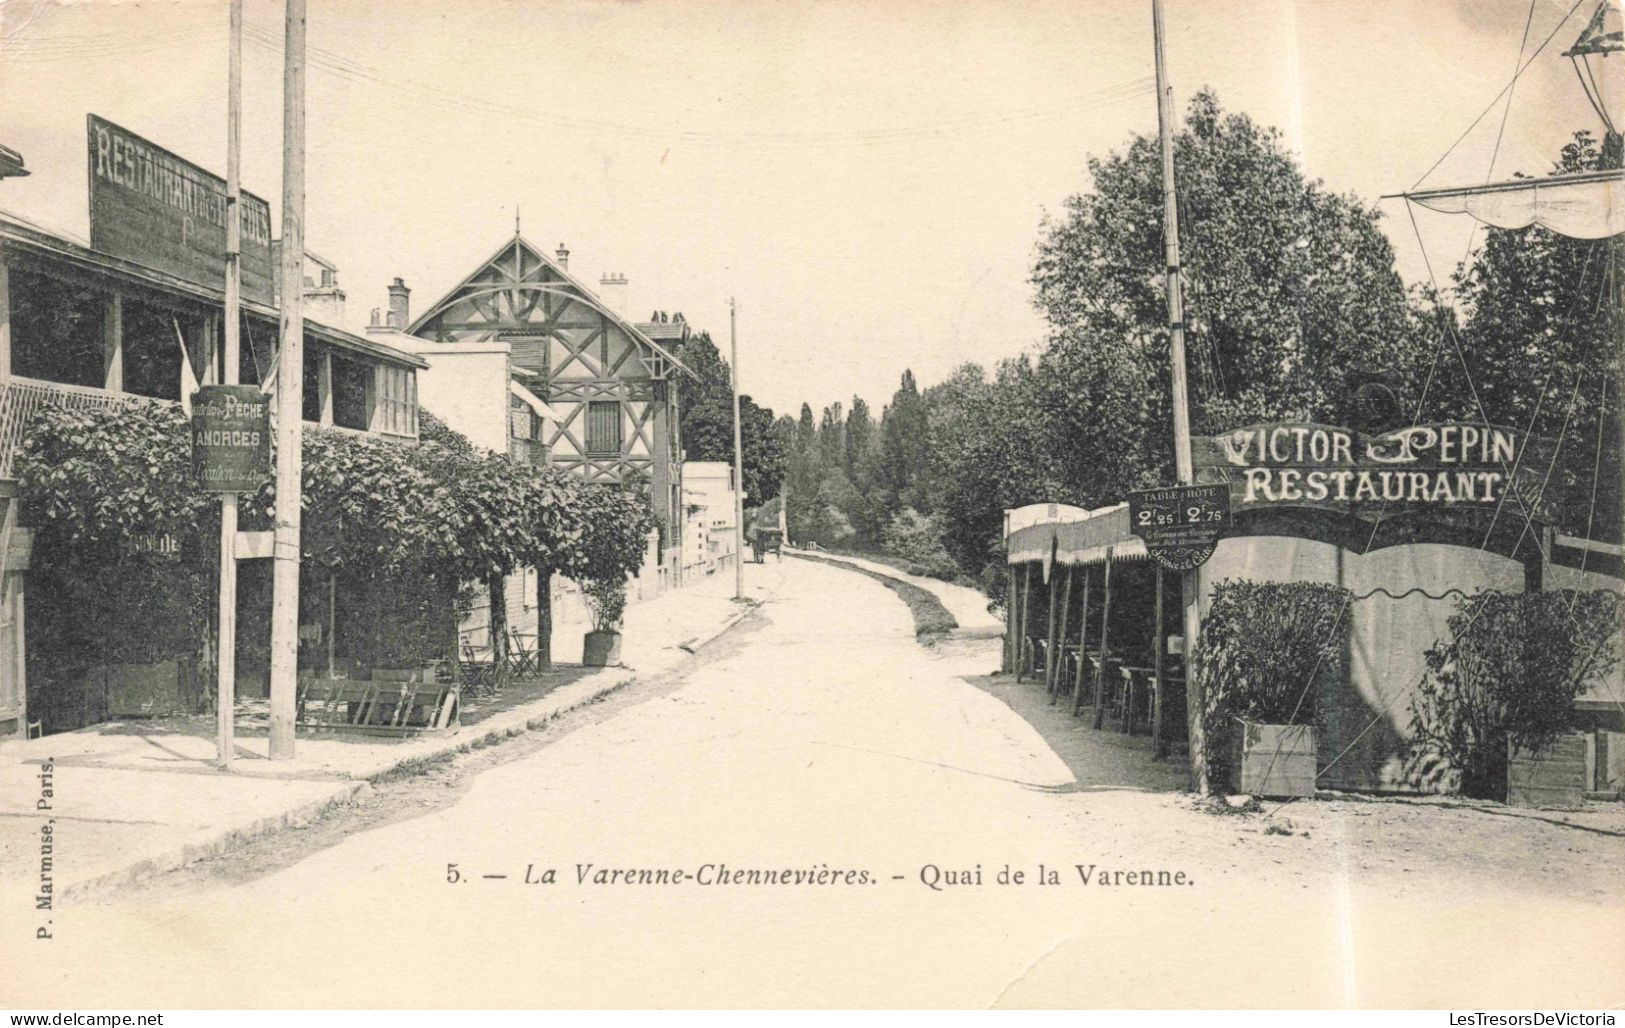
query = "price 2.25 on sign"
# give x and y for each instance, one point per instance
(1180, 524)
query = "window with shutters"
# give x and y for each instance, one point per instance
(604, 428)
(397, 401)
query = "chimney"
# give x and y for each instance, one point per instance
(324, 299)
(563, 254)
(400, 305)
(612, 290)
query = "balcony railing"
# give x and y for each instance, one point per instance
(21, 399)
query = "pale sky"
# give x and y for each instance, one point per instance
(867, 178)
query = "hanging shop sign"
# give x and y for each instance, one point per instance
(1180, 525)
(149, 206)
(1452, 465)
(231, 438)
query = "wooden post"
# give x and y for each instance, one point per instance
(544, 619)
(226, 650)
(290, 389)
(113, 345)
(497, 624)
(1049, 614)
(1026, 613)
(739, 461)
(5, 337)
(1157, 685)
(1083, 646)
(324, 389)
(1105, 644)
(1059, 679)
(1182, 422)
(332, 617)
(1010, 649)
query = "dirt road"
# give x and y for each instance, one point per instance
(827, 814)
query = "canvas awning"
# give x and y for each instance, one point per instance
(1087, 542)
(1583, 206)
(532, 401)
(1069, 535)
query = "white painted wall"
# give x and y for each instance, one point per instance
(465, 385)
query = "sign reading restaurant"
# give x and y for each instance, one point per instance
(150, 206)
(1303, 464)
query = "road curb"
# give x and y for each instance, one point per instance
(346, 794)
(701, 641)
(215, 845)
(517, 723)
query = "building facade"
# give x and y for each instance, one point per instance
(82, 328)
(608, 385)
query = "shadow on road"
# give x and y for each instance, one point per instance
(1100, 760)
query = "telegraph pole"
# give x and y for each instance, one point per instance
(226, 657)
(739, 462)
(289, 394)
(1192, 582)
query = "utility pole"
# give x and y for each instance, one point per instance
(226, 655)
(1192, 582)
(739, 462)
(289, 394)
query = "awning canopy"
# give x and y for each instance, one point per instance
(1070, 535)
(1584, 206)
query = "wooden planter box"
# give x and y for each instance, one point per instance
(1273, 760)
(1555, 780)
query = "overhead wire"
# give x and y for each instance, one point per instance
(1504, 90)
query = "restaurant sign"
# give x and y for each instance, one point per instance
(1457, 465)
(1180, 525)
(149, 206)
(231, 438)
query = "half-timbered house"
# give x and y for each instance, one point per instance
(608, 383)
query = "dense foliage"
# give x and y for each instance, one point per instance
(1290, 292)
(1268, 651)
(706, 421)
(1510, 672)
(126, 544)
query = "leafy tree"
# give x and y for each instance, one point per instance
(1289, 288)
(903, 443)
(860, 442)
(1511, 671)
(706, 420)
(1544, 318)
(832, 438)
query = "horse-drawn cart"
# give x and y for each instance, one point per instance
(764, 541)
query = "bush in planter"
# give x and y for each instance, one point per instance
(1265, 646)
(606, 601)
(1511, 671)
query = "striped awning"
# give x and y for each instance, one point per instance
(1070, 536)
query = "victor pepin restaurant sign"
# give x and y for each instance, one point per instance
(1457, 464)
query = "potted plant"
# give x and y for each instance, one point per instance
(1269, 651)
(1498, 698)
(606, 600)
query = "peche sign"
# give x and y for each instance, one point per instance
(231, 438)
(1300, 464)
